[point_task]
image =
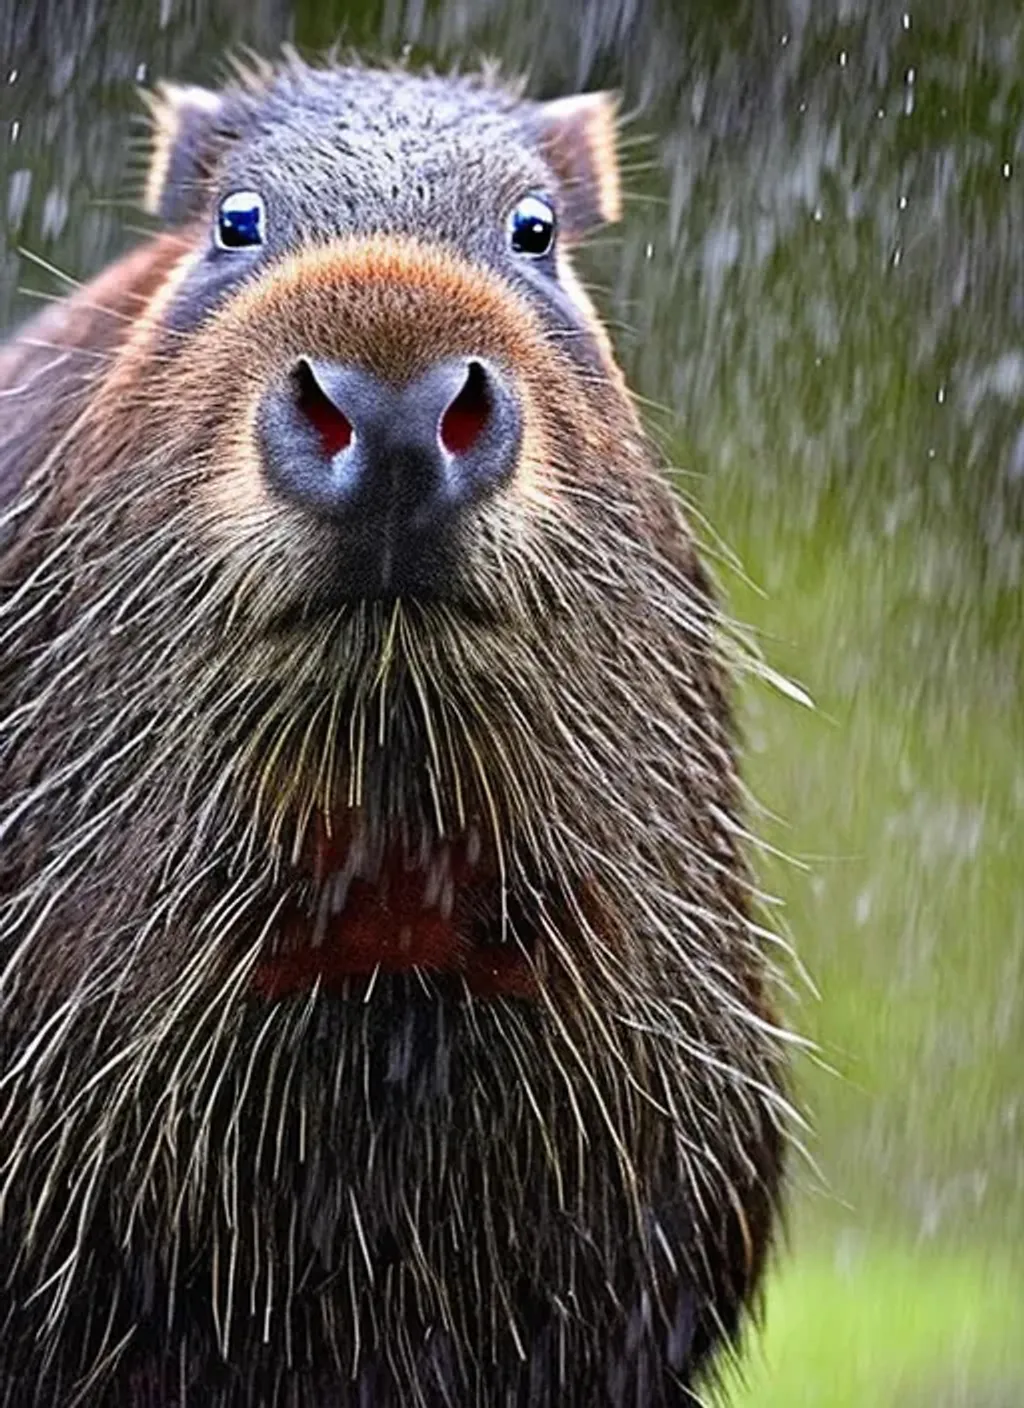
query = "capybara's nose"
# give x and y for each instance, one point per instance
(351, 445)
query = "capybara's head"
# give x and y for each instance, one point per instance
(381, 354)
(382, 1017)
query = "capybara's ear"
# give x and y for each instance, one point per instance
(189, 132)
(578, 138)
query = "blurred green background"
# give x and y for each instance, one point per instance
(819, 288)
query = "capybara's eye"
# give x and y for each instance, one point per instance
(241, 220)
(531, 227)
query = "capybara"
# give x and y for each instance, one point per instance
(385, 1018)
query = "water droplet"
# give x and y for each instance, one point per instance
(140, 73)
(12, 77)
(18, 189)
(911, 77)
(54, 213)
(649, 251)
(940, 395)
(906, 20)
(784, 40)
(843, 56)
(817, 213)
(897, 255)
(1007, 169)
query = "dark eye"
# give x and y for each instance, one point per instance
(531, 227)
(241, 220)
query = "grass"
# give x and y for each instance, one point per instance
(887, 1326)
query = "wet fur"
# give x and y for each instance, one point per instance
(400, 1196)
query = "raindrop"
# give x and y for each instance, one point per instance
(55, 213)
(881, 112)
(15, 129)
(906, 20)
(784, 40)
(649, 251)
(12, 77)
(903, 202)
(817, 213)
(1007, 168)
(897, 255)
(140, 73)
(843, 56)
(18, 189)
(908, 101)
(940, 395)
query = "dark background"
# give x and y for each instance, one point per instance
(819, 285)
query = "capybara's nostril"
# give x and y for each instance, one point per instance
(465, 419)
(462, 417)
(391, 459)
(329, 420)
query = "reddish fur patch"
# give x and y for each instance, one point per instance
(386, 927)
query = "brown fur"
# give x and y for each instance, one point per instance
(51, 363)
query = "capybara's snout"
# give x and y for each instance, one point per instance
(389, 420)
(385, 458)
